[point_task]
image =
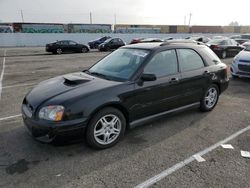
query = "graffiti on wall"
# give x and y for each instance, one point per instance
(42, 28)
(90, 28)
(137, 30)
(6, 29)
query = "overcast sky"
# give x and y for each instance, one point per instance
(166, 12)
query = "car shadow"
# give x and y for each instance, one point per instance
(22, 148)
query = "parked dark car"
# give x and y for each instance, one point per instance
(241, 38)
(62, 46)
(133, 85)
(95, 43)
(225, 47)
(111, 44)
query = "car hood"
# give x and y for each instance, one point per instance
(244, 55)
(71, 84)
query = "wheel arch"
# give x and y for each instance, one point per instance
(218, 85)
(115, 105)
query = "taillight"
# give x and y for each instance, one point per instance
(215, 47)
(226, 72)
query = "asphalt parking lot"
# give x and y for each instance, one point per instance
(145, 151)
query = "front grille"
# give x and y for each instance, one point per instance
(245, 68)
(244, 61)
(243, 73)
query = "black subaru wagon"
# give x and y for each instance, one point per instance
(133, 85)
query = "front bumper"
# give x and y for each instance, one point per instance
(45, 131)
(235, 71)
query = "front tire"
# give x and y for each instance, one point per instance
(106, 128)
(84, 50)
(59, 51)
(210, 98)
(234, 76)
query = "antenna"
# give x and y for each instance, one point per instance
(90, 17)
(190, 16)
(115, 19)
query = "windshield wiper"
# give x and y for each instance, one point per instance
(100, 75)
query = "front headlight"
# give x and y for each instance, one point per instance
(52, 113)
(236, 58)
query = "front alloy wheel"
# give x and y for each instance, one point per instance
(106, 128)
(210, 98)
(84, 50)
(59, 51)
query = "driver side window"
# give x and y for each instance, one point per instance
(162, 64)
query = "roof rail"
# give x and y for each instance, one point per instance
(181, 41)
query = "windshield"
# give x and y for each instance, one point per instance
(106, 41)
(119, 65)
(215, 41)
(247, 48)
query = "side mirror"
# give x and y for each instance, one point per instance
(148, 77)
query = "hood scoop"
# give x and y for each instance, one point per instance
(75, 79)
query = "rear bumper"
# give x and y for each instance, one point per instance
(224, 85)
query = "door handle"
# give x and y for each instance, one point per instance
(174, 80)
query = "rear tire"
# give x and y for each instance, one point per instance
(106, 128)
(59, 51)
(210, 98)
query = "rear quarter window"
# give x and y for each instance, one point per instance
(210, 57)
(189, 60)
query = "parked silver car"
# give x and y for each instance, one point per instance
(241, 64)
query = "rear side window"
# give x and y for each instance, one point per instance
(72, 43)
(210, 57)
(162, 64)
(189, 60)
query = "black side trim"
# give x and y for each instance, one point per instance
(162, 114)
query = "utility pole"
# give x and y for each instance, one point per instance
(190, 16)
(90, 17)
(115, 19)
(22, 15)
(185, 20)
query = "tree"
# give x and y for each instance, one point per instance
(234, 23)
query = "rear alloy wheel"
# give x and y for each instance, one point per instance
(59, 51)
(224, 54)
(84, 50)
(106, 128)
(210, 98)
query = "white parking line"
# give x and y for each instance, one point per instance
(18, 85)
(10, 117)
(183, 163)
(2, 73)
